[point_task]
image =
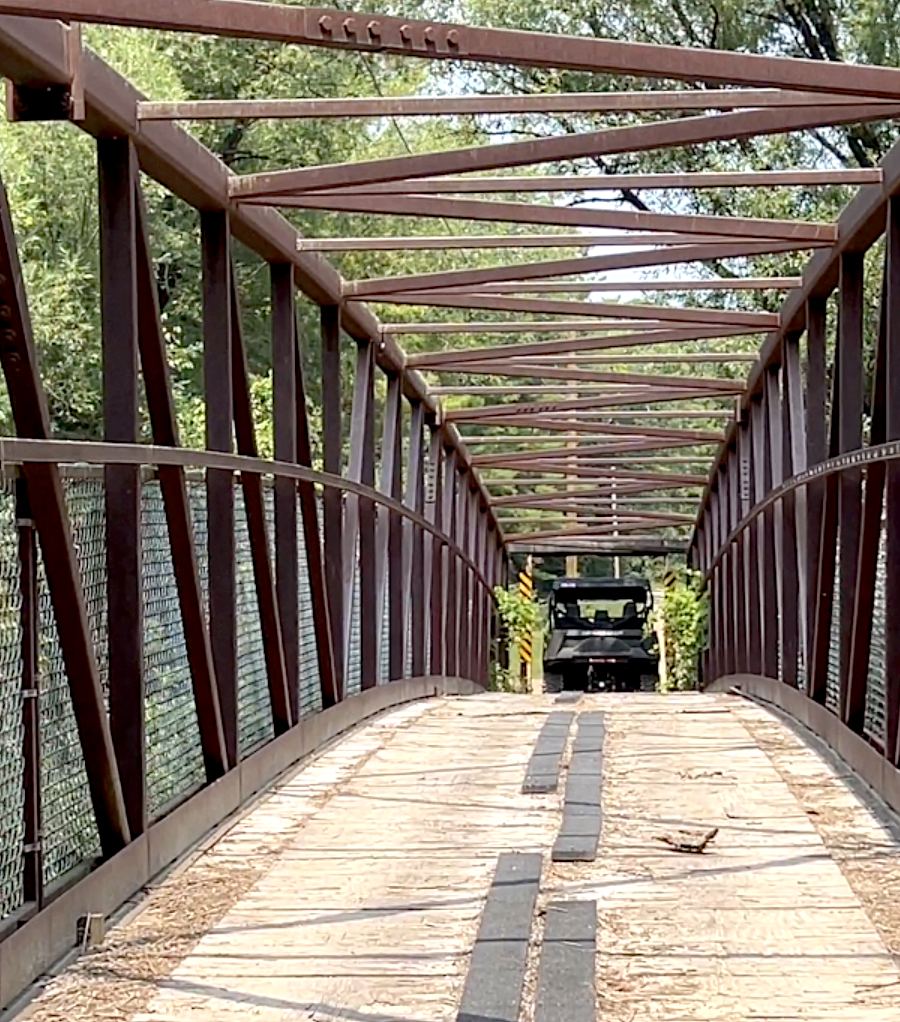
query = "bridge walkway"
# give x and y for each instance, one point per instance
(355, 890)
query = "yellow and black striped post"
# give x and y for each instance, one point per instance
(526, 589)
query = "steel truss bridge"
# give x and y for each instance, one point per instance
(183, 627)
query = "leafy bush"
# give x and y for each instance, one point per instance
(520, 617)
(682, 613)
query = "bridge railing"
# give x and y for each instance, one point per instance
(418, 603)
(799, 535)
(176, 625)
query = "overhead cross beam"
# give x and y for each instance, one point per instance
(803, 235)
(582, 454)
(446, 242)
(278, 186)
(530, 271)
(490, 413)
(545, 307)
(542, 103)
(589, 286)
(714, 384)
(616, 429)
(563, 346)
(375, 33)
(546, 183)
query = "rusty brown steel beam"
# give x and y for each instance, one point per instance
(597, 530)
(612, 475)
(561, 102)
(530, 271)
(603, 499)
(35, 53)
(537, 326)
(638, 396)
(510, 389)
(760, 321)
(446, 242)
(801, 234)
(582, 454)
(581, 286)
(173, 484)
(723, 357)
(566, 424)
(618, 429)
(48, 502)
(464, 356)
(615, 182)
(530, 521)
(118, 174)
(330, 679)
(366, 32)
(528, 371)
(618, 418)
(630, 545)
(614, 512)
(257, 530)
(589, 496)
(277, 186)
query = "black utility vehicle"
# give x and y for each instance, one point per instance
(600, 638)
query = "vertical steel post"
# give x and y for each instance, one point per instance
(765, 553)
(370, 630)
(326, 643)
(284, 415)
(738, 628)
(332, 499)
(854, 706)
(118, 170)
(389, 548)
(216, 235)
(32, 420)
(434, 509)
(257, 530)
(451, 606)
(786, 580)
(173, 484)
(415, 545)
(796, 545)
(33, 880)
(826, 553)
(892, 486)
(726, 570)
(850, 413)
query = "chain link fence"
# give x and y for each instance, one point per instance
(12, 808)
(175, 767)
(254, 702)
(174, 754)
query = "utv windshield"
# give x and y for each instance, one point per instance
(626, 610)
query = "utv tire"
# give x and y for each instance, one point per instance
(553, 683)
(649, 683)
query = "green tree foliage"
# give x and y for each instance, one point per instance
(682, 613)
(520, 617)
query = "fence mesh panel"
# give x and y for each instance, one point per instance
(70, 831)
(174, 754)
(354, 655)
(833, 682)
(12, 820)
(384, 642)
(310, 682)
(254, 703)
(196, 488)
(877, 678)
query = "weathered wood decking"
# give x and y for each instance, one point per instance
(355, 891)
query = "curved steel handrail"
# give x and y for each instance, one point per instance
(853, 459)
(17, 451)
